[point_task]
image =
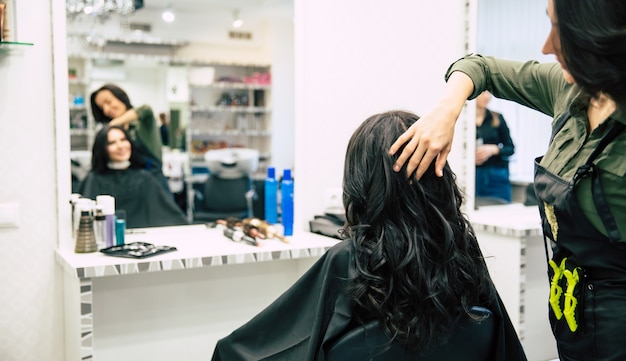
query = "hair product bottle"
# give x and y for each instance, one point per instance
(108, 208)
(271, 189)
(85, 240)
(120, 228)
(286, 189)
(99, 221)
(79, 204)
(73, 202)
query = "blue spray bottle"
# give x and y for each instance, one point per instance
(286, 189)
(271, 188)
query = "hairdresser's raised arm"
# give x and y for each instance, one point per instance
(123, 120)
(431, 137)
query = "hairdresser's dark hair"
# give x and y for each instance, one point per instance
(100, 154)
(418, 264)
(118, 92)
(593, 43)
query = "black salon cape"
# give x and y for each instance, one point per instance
(139, 194)
(316, 310)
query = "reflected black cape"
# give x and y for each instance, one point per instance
(139, 193)
(316, 310)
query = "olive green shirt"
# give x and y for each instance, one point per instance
(147, 131)
(541, 86)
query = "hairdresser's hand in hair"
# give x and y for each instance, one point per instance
(431, 137)
(123, 120)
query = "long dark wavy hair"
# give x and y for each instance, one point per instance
(100, 154)
(593, 43)
(418, 264)
(117, 92)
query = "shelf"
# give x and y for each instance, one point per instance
(232, 109)
(197, 159)
(195, 62)
(233, 85)
(77, 81)
(252, 133)
(10, 46)
(146, 42)
(165, 59)
(79, 131)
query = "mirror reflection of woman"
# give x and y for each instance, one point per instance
(116, 171)
(111, 105)
(493, 147)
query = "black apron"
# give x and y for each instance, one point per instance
(587, 272)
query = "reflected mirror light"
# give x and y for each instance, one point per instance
(168, 16)
(237, 22)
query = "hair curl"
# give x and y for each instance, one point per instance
(419, 267)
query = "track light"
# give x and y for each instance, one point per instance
(237, 21)
(168, 15)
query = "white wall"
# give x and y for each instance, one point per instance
(282, 94)
(31, 317)
(355, 58)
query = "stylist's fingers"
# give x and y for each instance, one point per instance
(407, 136)
(417, 154)
(432, 152)
(418, 157)
(441, 161)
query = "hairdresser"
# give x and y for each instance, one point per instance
(580, 182)
(111, 105)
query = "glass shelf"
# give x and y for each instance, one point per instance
(9, 46)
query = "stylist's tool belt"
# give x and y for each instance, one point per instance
(566, 276)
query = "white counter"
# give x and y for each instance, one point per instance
(175, 306)
(511, 240)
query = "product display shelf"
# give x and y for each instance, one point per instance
(82, 126)
(230, 106)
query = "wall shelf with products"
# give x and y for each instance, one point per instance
(229, 104)
(82, 125)
(230, 107)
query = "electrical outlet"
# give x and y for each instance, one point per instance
(9, 215)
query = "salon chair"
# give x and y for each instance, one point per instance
(471, 340)
(228, 190)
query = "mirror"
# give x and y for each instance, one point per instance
(516, 30)
(157, 63)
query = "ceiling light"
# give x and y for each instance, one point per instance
(237, 21)
(168, 15)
